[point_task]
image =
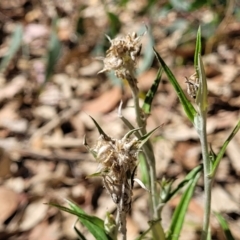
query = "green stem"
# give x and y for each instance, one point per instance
(202, 124)
(148, 152)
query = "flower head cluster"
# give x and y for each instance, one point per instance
(121, 56)
(118, 161)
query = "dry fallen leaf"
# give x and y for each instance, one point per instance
(46, 231)
(105, 103)
(12, 88)
(5, 163)
(34, 213)
(9, 201)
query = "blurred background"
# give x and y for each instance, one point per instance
(49, 53)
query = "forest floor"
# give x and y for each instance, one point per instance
(48, 89)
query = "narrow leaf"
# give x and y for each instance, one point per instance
(223, 223)
(198, 49)
(190, 176)
(80, 235)
(143, 169)
(115, 23)
(15, 43)
(101, 132)
(97, 174)
(186, 104)
(151, 93)
(181, 209)
(93, 224)
(201, 99)
(223, 149)
(129, 133)
(53, 54)
(145, 138)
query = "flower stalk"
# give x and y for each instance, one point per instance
(121, 58)
(200, 122)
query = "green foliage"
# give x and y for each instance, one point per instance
(224, 225)
(53, 54)
(181, 209)
(186, 104)
(198, 50)
(15, 44)
(151, 93)
(94, 224)
(114, 24)
(223, 149)
(190, 176)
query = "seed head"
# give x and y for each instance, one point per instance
(118, 161)
(121, 56)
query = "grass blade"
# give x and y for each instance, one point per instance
(201, 99)
(224, 225)
(16, 40)
(191, 175)
(223, 149)
(181, 209)
(198, 48)
(94, 224)
(101, 132)
(151, 93)
(115, 24)
(53, 54)
(187, 105)
(80, 235)
(145, 138)
(143, 169)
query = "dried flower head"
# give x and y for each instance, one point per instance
(118, 161)
(121, 56)
(192, 85)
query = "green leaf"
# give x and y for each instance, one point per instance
(53, 54)
(110, 226)
(101, 132)
(151, 93)
(201, 99)
(94, 224)
(198, 49)
(129, 133)
(145, 138)
(187, 105)
(223, 223)
(80, 235)
(97, 174)
(115, 24)
(223, 149)
(181, 209)
(190, 176)
(15, 43)
(143, 169)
